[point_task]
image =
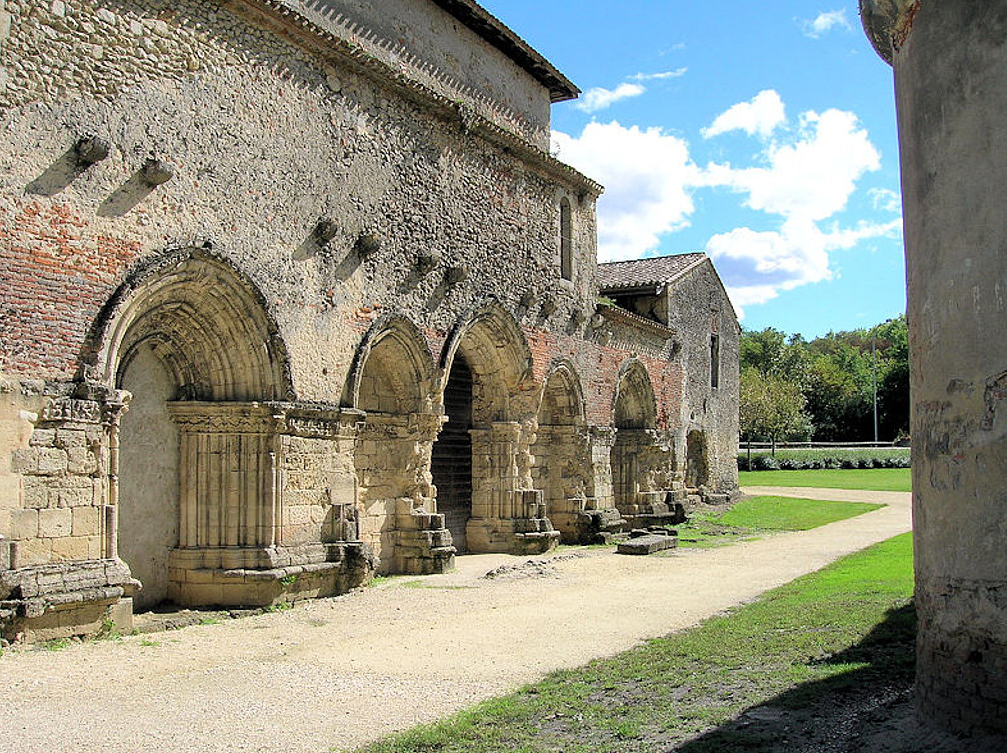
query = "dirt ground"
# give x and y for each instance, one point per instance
(336, 673)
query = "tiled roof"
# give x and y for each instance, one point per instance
(645, 273)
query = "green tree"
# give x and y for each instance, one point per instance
(836, 373)
(770, 408)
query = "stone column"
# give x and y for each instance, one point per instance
(230, 487)
(950, 65)
(599, 492)
(505, 516)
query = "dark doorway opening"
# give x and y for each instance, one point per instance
(451, 460)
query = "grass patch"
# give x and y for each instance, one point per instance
(753, 517)
(845, 626)
(874, 479)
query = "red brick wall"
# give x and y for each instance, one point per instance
(55, 276)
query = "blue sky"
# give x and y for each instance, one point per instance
(761, 133)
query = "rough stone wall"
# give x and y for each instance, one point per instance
(446, 55)
(64, 487)
(220, 99)
(950, 64)
(698, 309)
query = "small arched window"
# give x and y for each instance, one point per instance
(565, 239)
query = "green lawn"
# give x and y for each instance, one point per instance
(845, 629)
(756, 516)
(875, 479)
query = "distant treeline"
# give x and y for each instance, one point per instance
(824, 389)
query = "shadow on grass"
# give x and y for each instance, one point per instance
(868, 708)
(829, 714)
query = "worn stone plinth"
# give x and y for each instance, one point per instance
(65, 599)
(659, 508)
(513, 536)
(424, 546)
(590, 526)
(331, 569)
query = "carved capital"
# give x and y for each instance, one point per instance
(225, 418)
(887, 23)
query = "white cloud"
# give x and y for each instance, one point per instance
(804, 180)
(759, 265)
(598, 98)
(646, 174)
(811, 178)
(825, 22)
(760, 115)
(885, 200)
(677, 73)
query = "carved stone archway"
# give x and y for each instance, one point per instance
(259, 511)
(562, 453)
(391, 384)
(642, 456)
(507, 513)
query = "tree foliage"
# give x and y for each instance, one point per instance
(771, 408)
(837, 375)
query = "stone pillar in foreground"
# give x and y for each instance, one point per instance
(950, 61)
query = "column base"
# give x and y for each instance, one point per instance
(66, 599)
(201, 577)
(511, 535)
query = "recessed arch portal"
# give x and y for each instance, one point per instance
(634, 406)
(634, 413)
(495, 349)
(487, 377)
(697, 466)
(188, 330)
(562, 455)
(391, 382)
(205, 321)
(393, 370)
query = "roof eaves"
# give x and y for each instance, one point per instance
(494, 31)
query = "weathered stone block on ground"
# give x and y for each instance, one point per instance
(647, 542)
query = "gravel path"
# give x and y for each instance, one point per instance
(336, 673)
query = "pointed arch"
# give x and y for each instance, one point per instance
(634, 405)
(393, 371)
(481, 457)
(562, 400)
(561, 453)
(495, 349)
(204, 320)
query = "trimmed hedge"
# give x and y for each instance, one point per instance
(808, 460)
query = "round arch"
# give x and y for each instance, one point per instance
(205, 321)
(185, 331)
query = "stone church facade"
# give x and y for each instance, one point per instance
(292, 293)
